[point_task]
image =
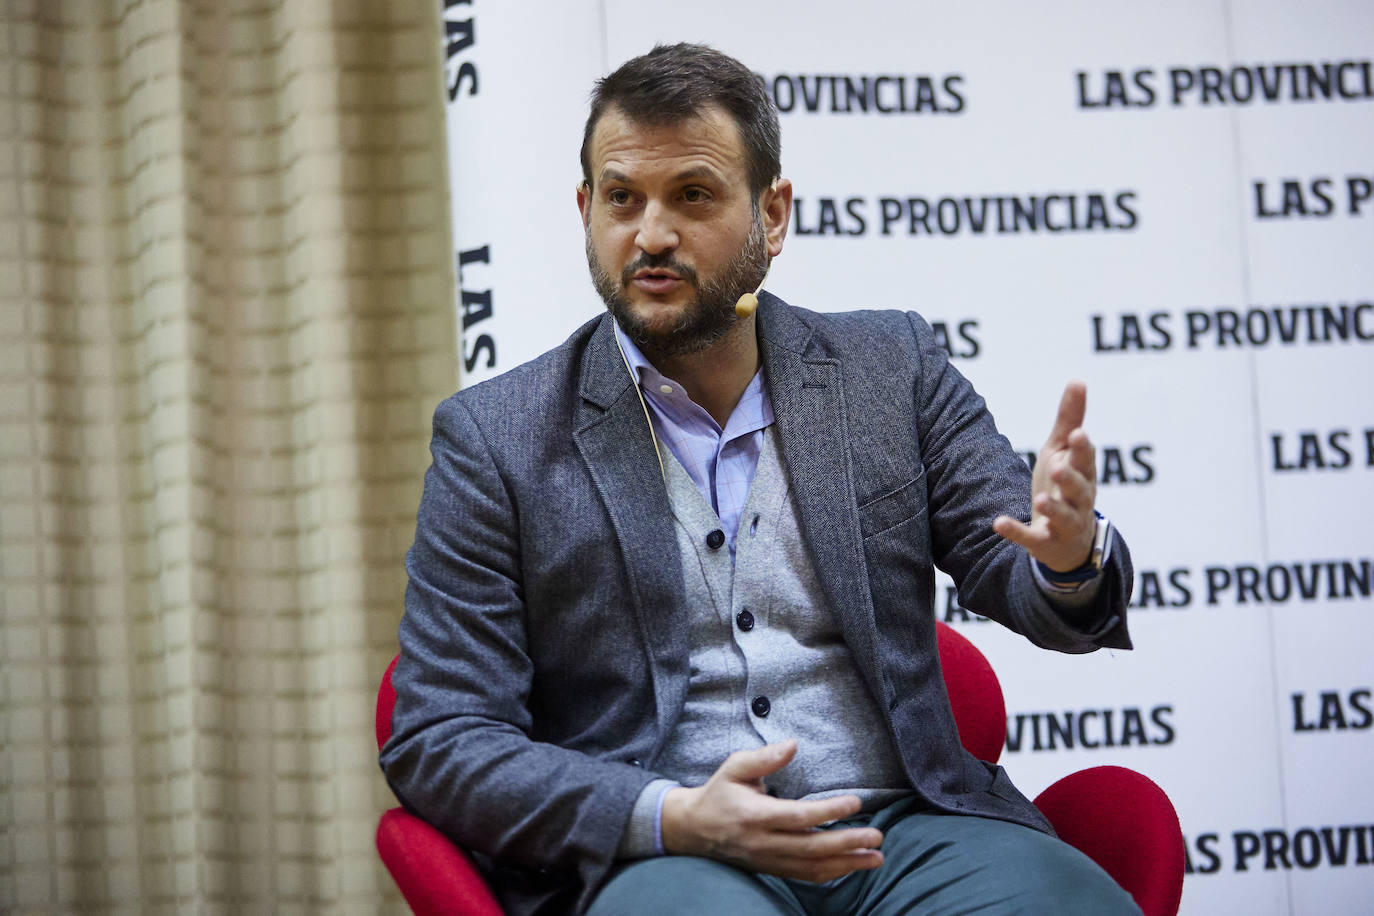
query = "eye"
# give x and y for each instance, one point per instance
(695, 195)
(618, 197)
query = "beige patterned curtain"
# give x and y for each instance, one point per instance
(226, 314)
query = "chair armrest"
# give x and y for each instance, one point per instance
(1125, 823)
(435, 877)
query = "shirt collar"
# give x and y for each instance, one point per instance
(757, 411)
(639, 363)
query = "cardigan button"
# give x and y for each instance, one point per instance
(715, 539)
(761, 706)
(745, 620)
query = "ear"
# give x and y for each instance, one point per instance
(776, 208)
(584, 203)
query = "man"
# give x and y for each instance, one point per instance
(669, 641)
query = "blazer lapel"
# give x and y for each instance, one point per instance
(612, 434)
(809, 409)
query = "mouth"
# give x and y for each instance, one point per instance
(657, 281)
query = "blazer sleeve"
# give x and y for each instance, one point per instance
(461, 755)
(972, 476)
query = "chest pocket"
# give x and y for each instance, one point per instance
(892, 509)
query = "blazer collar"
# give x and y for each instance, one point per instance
(612, 434)
(807, 386)
(604, 376)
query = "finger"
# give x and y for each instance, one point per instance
(818, 871)
(1072, 488)
(752, 765)
(821, 844)
(1082, 455)
(797, 816)
(1072, 407)
(1060, 516)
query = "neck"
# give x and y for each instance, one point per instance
(716, 377)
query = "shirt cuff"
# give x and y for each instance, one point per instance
(1078, 595)
(1078, 588)
(643, 836)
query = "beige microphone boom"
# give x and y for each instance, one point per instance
(749, 302)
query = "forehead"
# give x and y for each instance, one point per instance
(708, 140)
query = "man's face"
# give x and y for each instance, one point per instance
(674, 237)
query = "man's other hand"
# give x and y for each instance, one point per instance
(732, 819)
(1063, 491)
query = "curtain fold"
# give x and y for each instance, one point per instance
(226, 315)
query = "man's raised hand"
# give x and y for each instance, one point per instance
(732, 819)
(1063, 491)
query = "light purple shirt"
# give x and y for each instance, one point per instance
(721, 462)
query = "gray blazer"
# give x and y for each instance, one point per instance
(544, 650)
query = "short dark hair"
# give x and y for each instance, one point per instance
(673, 83)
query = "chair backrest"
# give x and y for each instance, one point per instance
(974, 694)
(1126, 824)
(386, 703)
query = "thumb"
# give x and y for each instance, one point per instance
(752, 766)
(1012, 529)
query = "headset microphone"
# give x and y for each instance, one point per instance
(749, 302)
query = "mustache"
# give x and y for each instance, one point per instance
(662, 261)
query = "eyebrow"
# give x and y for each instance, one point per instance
(699, 171)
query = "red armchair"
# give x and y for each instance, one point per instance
(436, 877)
(1116, 816)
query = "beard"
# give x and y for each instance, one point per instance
(702, 321)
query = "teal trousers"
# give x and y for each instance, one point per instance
(932, 863)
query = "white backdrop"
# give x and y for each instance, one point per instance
(1202, 254)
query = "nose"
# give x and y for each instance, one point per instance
(657, 233)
